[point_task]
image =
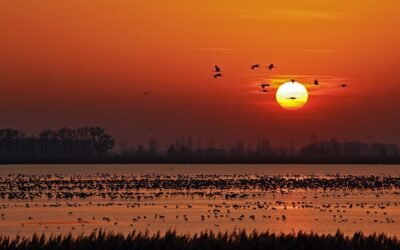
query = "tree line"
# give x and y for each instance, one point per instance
(334, 148)
(63, 144)
(325, 151)
(95, 145)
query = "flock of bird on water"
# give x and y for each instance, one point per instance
(229, 198)
(218, 73)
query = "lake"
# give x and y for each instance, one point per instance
(192, 198)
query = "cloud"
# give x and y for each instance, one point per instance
(317, 50)
(288, 14)
(304, 76)
(326, 81)
(211, 49)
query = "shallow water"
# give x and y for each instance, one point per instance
(191, 210)
(141, 169)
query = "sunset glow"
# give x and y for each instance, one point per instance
(90, 62)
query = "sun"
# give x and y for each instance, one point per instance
(292, 95)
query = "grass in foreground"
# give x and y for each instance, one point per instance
(238, 240)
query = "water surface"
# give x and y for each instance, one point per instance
(190, 210)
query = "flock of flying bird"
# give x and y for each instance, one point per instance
(253, 67)
(218, 73)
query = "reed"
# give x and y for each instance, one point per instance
(171, 240)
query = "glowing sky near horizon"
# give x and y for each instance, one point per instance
(80, 62)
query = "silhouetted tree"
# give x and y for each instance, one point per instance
(349, 149)
(103, 142)
(9, 133)
(153, 148)
(61, 144)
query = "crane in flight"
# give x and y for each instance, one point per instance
(271, 66)
(217, 69)
(217, 75)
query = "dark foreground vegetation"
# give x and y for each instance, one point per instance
(238, 240)
(94, 145)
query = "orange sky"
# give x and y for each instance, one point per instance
(84, 62)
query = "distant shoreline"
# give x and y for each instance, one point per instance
(268, 161)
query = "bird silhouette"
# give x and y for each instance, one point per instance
(292, 98)
(264, 85)
(217, 75)
(271, 66)
(255, 66)
(316, 82)
(343, 85)
(217, 69)
(147, 93)
(264, 90)
(292, 80)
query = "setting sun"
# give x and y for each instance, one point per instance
(292, 95)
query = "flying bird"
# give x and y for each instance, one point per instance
(292, 98)
(292, 80)
(217, 69)
(255, 66)
(147, 93)
(271, 66)
(343, 85)
(316, 82)
(264, 85)
(217, 75)
(264, 90)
